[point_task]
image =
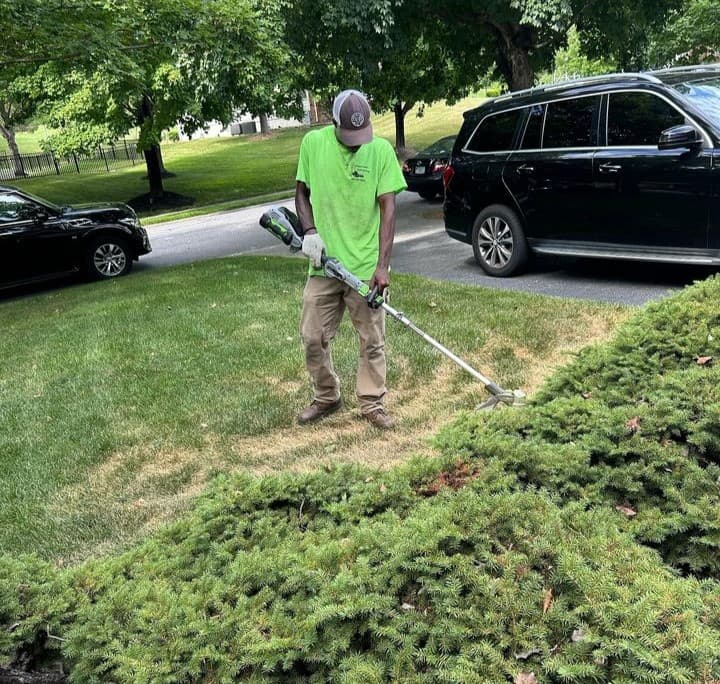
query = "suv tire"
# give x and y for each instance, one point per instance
(498, 241)
(108, 257)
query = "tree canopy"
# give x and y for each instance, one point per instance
(406, 51)
(170, 61)
(38, 33)
(387, 48)
(690, 35)
(104, 67)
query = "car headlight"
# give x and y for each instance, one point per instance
(130, 221)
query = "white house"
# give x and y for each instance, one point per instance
(244, 124)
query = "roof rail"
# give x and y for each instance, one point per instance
(689, 67)
(605, 78)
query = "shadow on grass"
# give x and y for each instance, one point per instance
(168, 200)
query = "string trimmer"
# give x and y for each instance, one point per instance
(285, 225)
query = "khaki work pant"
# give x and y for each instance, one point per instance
(324, 303)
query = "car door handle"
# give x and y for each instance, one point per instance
(610, 168)
(525, 169)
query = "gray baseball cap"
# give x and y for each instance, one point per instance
(351, 114)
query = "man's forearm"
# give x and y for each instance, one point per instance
(303, 207)
(387, 230)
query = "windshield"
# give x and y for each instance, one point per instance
(441, 147)
(705, 95)
(42, 201)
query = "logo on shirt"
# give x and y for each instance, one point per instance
(359, 173)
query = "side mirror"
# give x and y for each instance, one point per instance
(679, 137)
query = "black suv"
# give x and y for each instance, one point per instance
(624, 166)
(39, 240)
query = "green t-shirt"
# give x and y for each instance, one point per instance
(344, 187)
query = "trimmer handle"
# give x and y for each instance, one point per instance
(375, 300)
(335, 269)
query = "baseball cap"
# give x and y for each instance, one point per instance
(351, 113)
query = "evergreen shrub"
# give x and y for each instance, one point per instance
(633, 425)
(351, 576)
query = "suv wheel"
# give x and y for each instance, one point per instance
(108, 257)
(499, 242)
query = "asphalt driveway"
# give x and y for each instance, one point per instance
(423, 248)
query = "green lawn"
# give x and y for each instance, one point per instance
(222, 172)
(118, 400)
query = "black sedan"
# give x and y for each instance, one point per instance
(423, 173)
(40, 240)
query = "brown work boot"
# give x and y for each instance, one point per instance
(317, 410)
(379, 419)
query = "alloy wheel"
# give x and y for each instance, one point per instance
(495, 242)
(109, 259)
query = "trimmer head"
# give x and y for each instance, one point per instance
(515, 398)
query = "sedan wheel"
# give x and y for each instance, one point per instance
(499, 242)
(108, 258)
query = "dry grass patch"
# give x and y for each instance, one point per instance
(148, 486)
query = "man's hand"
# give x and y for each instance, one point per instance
(313, 248)
(380, 279)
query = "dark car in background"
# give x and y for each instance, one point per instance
(622, 166)
(40, 240)
(423, 172)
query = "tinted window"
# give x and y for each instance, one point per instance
(14, 208)
(496, 132)
(639, 118)
(571, 123)
(532, 140)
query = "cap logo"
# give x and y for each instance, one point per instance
(357, 119)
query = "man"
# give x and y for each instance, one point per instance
(347, 180)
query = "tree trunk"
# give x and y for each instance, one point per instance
(165, 173)
(264, 124)
(399, 126)
(155, 178)
(400, 110)
(9, 134)
(153, 156)
(514, 42)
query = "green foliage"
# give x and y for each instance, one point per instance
(350, 575)
(391, 49)
(571, 62)
(690, 35)
(173, 135)
(202, 66)
(164, 62)
(39, 39)
(621, 31)
(631, 424)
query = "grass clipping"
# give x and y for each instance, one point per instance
(515, 557)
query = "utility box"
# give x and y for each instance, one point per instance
(235, 129)
(248, 127)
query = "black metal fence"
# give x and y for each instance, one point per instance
(103, 159)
